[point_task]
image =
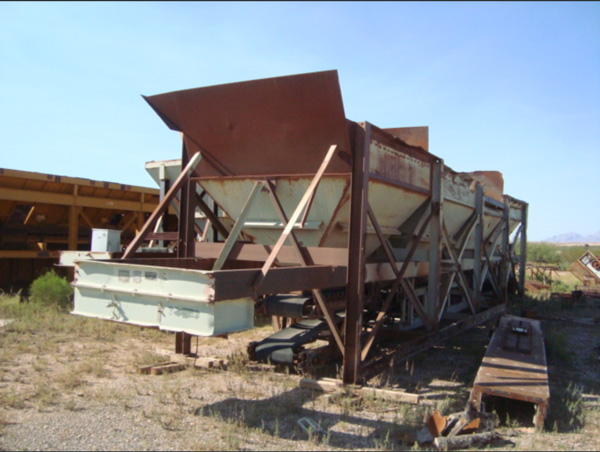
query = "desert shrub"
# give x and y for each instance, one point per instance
(51, 289)
(543, 253)
(551, 254)
(569, 254)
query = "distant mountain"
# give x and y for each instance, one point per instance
(573, 237)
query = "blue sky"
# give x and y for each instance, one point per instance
(507, 86)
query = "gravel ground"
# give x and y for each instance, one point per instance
(75, 387)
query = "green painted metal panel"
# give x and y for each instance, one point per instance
(171, 299)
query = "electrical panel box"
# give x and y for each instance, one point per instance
(106, 240)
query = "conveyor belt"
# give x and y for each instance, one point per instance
(279, 348)
(287, 305)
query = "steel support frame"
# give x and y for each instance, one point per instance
(519, 241)
(445, 257)
(491, 253)
(181, 183)
(431, 217)
(455, 270)
(500, 253)
(287, 233)
(354, 340)
(359, 200)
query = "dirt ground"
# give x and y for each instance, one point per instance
(71, 383)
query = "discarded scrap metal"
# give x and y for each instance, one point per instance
(311, 428)
(458, 430)
(587, 269)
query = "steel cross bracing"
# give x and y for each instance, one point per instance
(492, 257)
(445, 259)
(378, 233)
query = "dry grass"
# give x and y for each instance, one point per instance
(51, 362)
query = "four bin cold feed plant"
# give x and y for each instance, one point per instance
(347, 234)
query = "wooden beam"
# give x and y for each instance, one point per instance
(73, 227)
(85, 218)
(28, 254)
(332, 385)
(64, 199)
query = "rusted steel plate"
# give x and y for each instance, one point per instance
(281, 125)
(413, 136)
(514, 372)
(233, 284)
(263, 224)
(591, 263)
(397, 162)
(492, 181)
(259, 253)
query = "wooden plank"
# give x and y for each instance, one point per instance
(395, 395)
(160, 368)
(325, 385)
(167, 368)
(333, 385)
(147, 368)
(207, 363)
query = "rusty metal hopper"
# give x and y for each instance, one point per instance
(376, 228)
(280, 128)
(272, 126)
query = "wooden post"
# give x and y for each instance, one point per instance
(73, 222)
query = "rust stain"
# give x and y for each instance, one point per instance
(281, 125)
(345, 198)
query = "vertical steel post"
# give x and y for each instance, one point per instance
(505, 251)
(211, 231)
(435, 243)
(477, 261)
(163, 187)
(356, 252)
(186, 242)
(215, 229)
(187, 208)
(523, 250)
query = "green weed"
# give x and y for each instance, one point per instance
(70, 378)
(51, 290)
(12, 400)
